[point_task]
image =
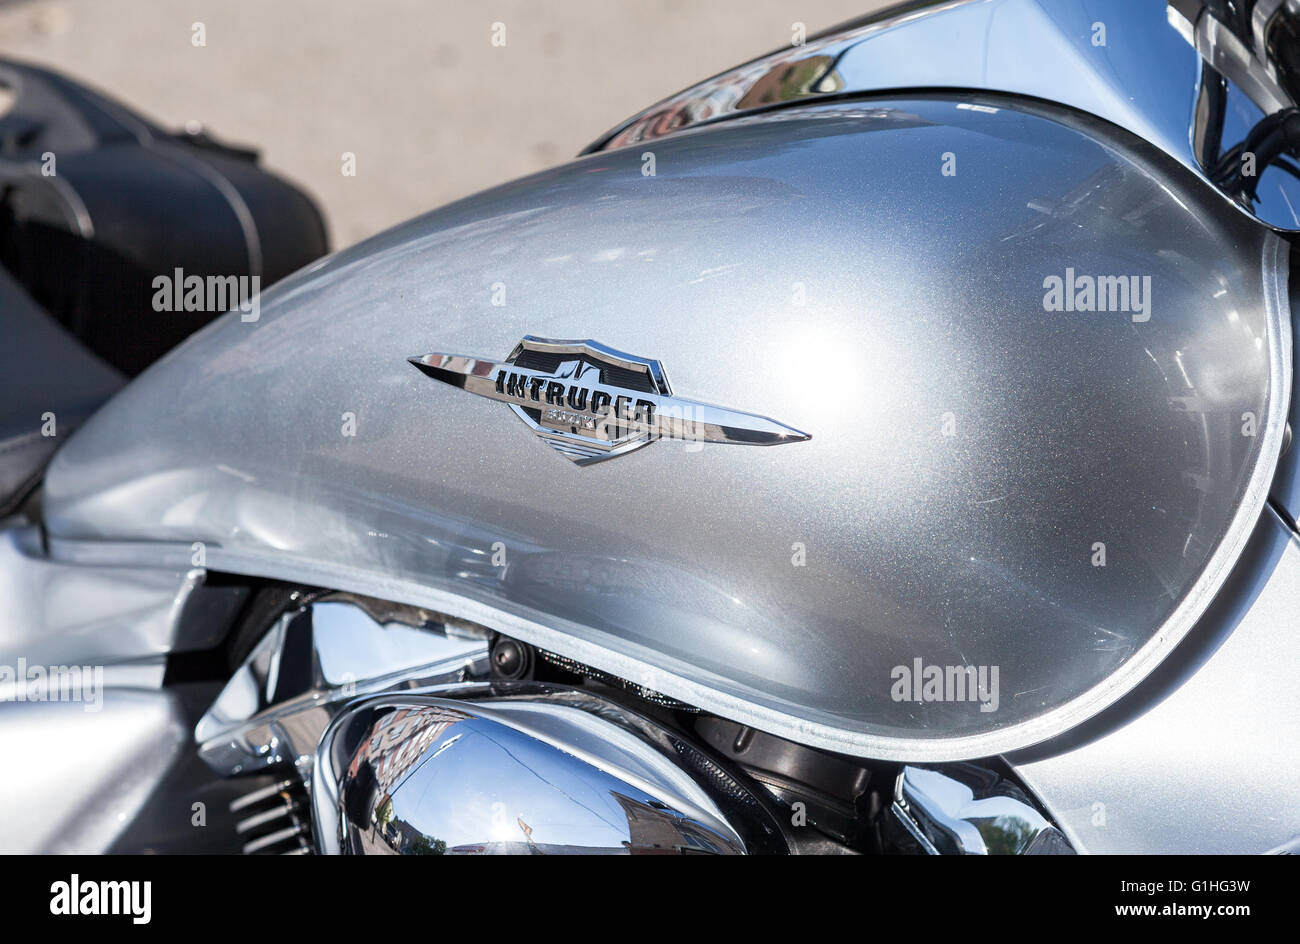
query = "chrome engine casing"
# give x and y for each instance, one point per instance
(542, 774)
(427, 753)
(405, 745)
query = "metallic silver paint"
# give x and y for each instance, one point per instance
(1201, 758)
(674, 569)
(90, 764)
(83, 776)
(54, 613)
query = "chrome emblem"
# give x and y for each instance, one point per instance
(590, 402)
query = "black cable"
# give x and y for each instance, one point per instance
(1271, 137)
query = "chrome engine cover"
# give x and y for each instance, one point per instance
(969, 448)
(541, 773)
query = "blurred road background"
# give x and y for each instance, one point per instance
(414, 88)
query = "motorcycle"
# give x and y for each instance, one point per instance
(967, 523)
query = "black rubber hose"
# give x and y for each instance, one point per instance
(1283, 139)
(1272, 136)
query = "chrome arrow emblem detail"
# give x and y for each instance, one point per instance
(590, 402)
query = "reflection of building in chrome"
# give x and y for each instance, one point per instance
(402, 795)
(653, 831)
(656, 830)
(398, 740)
(402, 837)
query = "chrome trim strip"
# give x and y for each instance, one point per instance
(1259, 20)
(1222, 49)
